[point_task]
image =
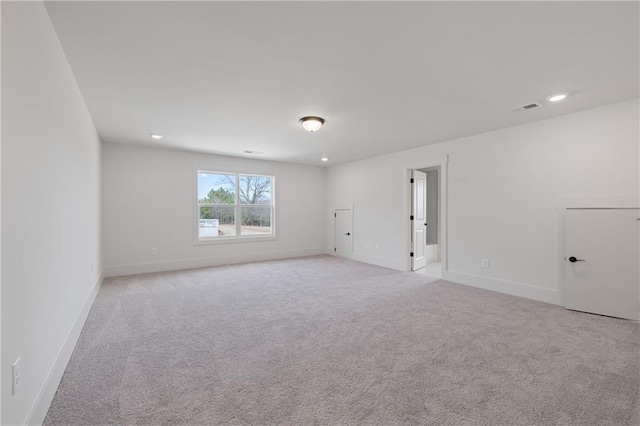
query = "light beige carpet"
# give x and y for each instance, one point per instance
(323, 340)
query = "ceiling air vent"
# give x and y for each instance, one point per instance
(527, 107)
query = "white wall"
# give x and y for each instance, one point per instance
(1, 365)
(148, 201)
(50, 210)
(504, 190)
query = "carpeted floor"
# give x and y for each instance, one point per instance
(323, 340)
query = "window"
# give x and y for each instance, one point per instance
(234, 206)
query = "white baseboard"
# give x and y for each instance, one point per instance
(432, 253)
(501, 286)
(174, 265)
(40, 408)
(507, 287)
(373, 260)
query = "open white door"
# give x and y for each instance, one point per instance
(601, 271)
(419, 219)
(343, 232)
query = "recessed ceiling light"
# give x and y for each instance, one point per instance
(156, 135)
(311, 124)
(557, 97)
(325, 159)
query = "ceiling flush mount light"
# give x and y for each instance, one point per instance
(156, 135)
(311, 124)
(557, 97)
(325, 159)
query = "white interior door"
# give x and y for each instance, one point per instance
(343, 232)
(602, 272)
(419, 222)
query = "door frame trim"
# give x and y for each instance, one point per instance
(427, 162)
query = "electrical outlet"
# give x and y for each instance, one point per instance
(15, 375)
(377, 246)
(154, 251)
(293, 241)
(485, 263)
(91, 266)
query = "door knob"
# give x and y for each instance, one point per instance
(348, 233)
(574, 260)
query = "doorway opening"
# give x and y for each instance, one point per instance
(426, 229)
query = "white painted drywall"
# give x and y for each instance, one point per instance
(148, 201)
(1, 365)
(50, 210)
(503, 192)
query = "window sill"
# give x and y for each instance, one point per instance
(233, 240)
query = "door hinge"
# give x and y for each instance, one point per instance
(335, 215)
(411, 217)
(334, 249)
(411, 254)
(411, 180)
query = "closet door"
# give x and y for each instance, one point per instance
(602, 272)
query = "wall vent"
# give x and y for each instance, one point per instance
(527, 107)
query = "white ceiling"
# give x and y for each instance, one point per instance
(227, 77)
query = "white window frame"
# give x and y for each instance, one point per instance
(238, 238)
